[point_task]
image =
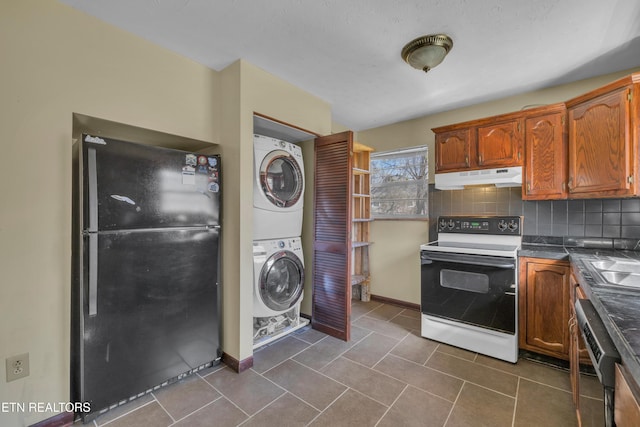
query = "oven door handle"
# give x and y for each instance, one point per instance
(483, 260)
(425, 261)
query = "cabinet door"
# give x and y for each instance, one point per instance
(574, 333)
(545, 307)
(600, 150)
(545, 158)
(583, 354)
(627, 399)
(500, 144)
(331, 297)
(453, 150)
(574, 364)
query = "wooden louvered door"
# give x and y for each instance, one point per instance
(331, 235)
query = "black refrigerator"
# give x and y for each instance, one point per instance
(145, 305)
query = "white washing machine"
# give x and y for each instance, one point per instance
(278, 189)
(278, 289)
(278, 270)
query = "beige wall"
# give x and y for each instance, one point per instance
(259, 92)
(57, 61)
(395, 271)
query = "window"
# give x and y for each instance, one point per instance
(399, 184)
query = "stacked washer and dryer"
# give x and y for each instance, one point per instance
(278, 266)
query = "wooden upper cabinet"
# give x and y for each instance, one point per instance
(603, 141)
(491, 142)
(500, 144)
(545, 166)
(453, 150)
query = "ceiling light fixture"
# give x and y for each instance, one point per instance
(426, 52)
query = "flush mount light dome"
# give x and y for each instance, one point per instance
(426, 52)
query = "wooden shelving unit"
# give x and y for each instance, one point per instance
(360, 221)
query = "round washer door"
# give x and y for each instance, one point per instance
(281, 281)
(281, 179)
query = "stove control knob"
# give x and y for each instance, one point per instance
(502, 225)
(513, 225)
(443, 224)
(451, 224)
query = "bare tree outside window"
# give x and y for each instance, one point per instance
(400, 184)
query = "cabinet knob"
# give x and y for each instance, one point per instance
(528, 187)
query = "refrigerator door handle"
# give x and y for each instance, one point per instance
(93, 189)
(93, 274)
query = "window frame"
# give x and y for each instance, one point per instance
(423, 186)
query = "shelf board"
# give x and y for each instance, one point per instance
(356, 279)
(360, 195)
(358, 148)
(361, 219)
(358, 171)
(360, 244)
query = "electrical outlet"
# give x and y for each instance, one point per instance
(17, 367)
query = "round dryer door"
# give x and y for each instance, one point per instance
(281, 179)
(281, 281)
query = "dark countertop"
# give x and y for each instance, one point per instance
(619, 308)
(543, 251)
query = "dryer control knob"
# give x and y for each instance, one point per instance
(280, 244)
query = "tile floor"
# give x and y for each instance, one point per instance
(387, 375)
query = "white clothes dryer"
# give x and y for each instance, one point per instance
(278, 189)
(278, 270)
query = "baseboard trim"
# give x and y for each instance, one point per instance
(61, 420)
(237, 365)
(395, 302)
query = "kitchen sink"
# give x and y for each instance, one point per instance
(617, 264)
(618, 271)
(622, 279)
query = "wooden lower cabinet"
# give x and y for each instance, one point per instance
(544, 306)
(626, 399)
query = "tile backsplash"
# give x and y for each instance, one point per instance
(610, 218)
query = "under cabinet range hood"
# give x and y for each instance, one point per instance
(500, 177)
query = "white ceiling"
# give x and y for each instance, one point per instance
(347, 52)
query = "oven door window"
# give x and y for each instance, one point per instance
(464, 281)
(479, 295)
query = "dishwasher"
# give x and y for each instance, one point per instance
(602, 352)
